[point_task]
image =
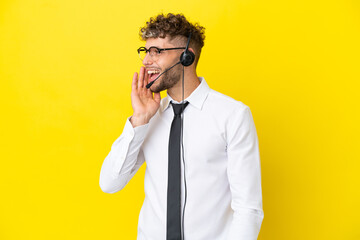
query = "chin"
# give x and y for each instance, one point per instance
(156, 88)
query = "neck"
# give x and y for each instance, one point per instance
(191, 83)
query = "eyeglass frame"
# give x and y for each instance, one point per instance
(159, 50)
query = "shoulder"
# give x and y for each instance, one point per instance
(224, 103)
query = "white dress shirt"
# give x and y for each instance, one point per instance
(222, 168)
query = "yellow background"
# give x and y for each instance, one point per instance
(66, 68)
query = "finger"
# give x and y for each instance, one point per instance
(134, 81)
(146, 78)
(146, 82)
(141, 78)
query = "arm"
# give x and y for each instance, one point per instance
(126, 157)
(244, 173)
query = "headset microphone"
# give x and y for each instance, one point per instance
(150, 84)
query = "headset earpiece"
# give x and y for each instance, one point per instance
(187, 57)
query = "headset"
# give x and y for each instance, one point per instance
(187, 57)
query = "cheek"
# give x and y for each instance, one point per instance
(162, 65)
(168, 62)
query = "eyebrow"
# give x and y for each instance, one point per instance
(153, 46)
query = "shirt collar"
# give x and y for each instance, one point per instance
(196, 98)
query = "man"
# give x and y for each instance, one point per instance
(218, 170)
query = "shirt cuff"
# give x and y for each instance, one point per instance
(136, 134)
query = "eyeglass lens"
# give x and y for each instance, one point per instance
(153, 52)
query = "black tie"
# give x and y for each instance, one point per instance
(174, 185)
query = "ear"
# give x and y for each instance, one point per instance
(192, 50)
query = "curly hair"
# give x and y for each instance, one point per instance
(174, 26)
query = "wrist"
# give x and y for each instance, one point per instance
(138, 120)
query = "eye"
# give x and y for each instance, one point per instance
(151, 51)
(158, 51)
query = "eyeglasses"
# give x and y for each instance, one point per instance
(153, 51)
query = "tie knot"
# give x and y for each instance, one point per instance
(179, 108)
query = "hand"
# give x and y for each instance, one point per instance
(144, 102)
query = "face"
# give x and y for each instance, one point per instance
(156, 65)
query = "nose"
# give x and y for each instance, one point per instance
(147, 60)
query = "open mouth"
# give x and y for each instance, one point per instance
(153, 74)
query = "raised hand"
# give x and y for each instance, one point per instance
(144, 102)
